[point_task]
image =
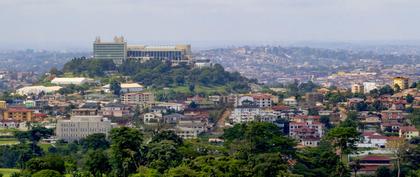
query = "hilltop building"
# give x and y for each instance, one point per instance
(116, 50)
(119, 50)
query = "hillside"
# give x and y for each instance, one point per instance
(159, 74)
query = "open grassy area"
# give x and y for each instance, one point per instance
(8, 171)
(8, 141)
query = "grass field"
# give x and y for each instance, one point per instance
(8, 171)
(8, 141)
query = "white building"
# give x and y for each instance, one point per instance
(291, 101)
(35, 90)
(171, 106)
(71, 80)
(152, 118)
(373, 140)
(244, 114)
(368, 86)
(190, 128)
(79, 127)
(125, 88)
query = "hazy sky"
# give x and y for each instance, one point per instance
(75, 23)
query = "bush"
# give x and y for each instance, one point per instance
(47, 173)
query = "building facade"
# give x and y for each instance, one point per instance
(116, 50)
(79, 127)
(402, 82)
(138, 98)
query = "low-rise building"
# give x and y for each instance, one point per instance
(115, 110)
(125, 88)
(152, 118)
(71, 80)
(35, 90)
(408, 132)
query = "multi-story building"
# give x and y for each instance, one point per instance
(18, 114)
(260, 100)
(138, 98)
(369, 86)
(3, 105)
(243, 114)
(402, 82)
(79, 127)
(175, 53)
(357, 88)
(116, 50)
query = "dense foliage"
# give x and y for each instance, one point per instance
(156, 73)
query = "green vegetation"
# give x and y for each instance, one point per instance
(8, 141)
(7, 172)
(160, 74)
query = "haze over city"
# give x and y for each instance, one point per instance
(62, 24)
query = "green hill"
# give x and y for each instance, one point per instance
(160, 74)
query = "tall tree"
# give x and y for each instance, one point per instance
(126, 150)
(97, 163)
(344, 139)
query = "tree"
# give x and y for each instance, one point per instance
(115, 86)
(181, 171)
(95, 141)
(413, 85)
(398, 148)
(343, 139)
(313, 112)
(355, 166)
(386, 90)
(409, 98)
(191, 88)
(97, 163)
(47, 173)
(55, 163)
(146, 172)
(326, 121)
(167, 135)
(126, 150)
(383, 171)
(163, 155)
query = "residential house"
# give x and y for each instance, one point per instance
(408, 132)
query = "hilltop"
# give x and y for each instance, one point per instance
(158, 74)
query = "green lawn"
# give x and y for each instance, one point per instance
(8, 171)
(8, 141)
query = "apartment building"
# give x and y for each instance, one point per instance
(144, 98)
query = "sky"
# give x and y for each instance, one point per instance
(64, 24)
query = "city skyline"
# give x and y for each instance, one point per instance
(62, 24)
